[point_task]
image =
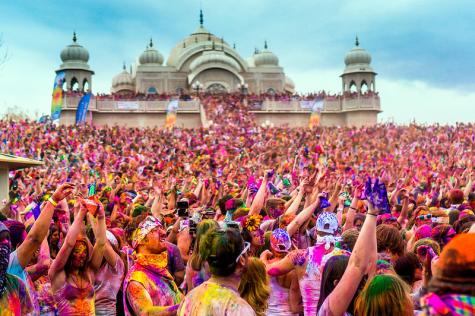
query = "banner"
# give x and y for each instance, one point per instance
(172, 108)
(307, 104)
(315, 116)
(127, 105)
(83, 106)
(57, 102)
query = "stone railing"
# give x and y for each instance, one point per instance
(71, 102)
(281, 106)
(361, 103)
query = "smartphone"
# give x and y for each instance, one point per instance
(182, 208)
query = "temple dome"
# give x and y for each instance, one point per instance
(123, 78)
(214, 57)
(151, 56)
(357, 55)
(266, 58)
(74, 52)
(289, 85)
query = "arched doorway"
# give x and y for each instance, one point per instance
(216, 88)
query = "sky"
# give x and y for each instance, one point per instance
(422, 50)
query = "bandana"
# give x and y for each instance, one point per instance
(280, 240)
(156, 263)
(327, 222)
(328, 240)
(145, 227)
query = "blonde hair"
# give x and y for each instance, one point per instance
(254, 286)
(383, 295)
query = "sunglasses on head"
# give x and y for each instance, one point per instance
(247, 246)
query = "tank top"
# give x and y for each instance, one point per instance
(73, 301)
(278, 300)
(311, 281)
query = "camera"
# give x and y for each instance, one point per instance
(182, 208)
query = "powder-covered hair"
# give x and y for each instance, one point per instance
(389, 238)
(201, 229)
(220, 248)
(384, 295)
(254, 286)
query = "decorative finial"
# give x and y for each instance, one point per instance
(74, 37)
(130, 69)
(123, 66)
(222, 40)
(151, 43)
(201, 17)
(265, 44)
(256, 51)
(184, 45)
(234, 45)
(212, 47)
(209, 37)
(357, 42)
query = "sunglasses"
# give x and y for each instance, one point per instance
(247, 246)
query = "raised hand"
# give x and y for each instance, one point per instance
(62, 192)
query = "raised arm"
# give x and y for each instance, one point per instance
(41, 226)
(350, 215)
(293, 208)
(63, 254)
(258, 201)
(363, 253)
(302, 217)
(100, 235)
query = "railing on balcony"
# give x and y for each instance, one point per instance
(71, 102)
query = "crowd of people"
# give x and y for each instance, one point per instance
(238, 219)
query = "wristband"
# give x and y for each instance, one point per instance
(353, 208)
(375, 215)
(52, 202)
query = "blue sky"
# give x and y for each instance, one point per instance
(423, 51)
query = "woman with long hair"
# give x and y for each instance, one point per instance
(197, 271)
(254, 286)
(385, 295)
(72, 272)
(226, 254)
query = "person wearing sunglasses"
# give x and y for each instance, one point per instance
(227, 255)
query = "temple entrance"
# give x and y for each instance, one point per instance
(216, 88)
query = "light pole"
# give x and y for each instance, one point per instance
(197, 86)
(242, 87)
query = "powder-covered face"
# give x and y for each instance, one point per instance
(155, 240)
(54, 237)
(79, 255)
(257, 238)
(276, 212)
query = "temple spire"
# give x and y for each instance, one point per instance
(74, 37)
(123, 66)
(151, 43)
(265, 44)
(357, 42)
(201, 17)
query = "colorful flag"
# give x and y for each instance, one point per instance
(83, 106)
(172, 108)
(315, 116)
(57, 102)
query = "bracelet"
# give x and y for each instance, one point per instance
(353, 208)
(52, 202)
(375, 215)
